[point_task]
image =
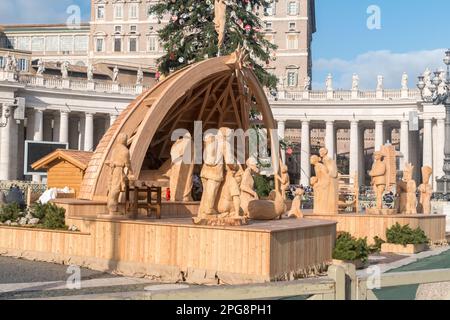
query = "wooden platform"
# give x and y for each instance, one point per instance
(177, 250)
(365, 225)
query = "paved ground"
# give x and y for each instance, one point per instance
(22, 279)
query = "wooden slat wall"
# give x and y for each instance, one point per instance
(370, 226)
(251, 254)
(297, 250)
(64, 174)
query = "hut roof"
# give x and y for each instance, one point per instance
(79, 159)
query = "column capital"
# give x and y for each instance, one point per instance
(89, 114)
(64, 111)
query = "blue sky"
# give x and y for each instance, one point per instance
(413, 35)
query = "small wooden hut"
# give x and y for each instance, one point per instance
(65, 168)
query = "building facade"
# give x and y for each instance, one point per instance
(123, 32)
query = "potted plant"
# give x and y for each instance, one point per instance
(405, 240)
(348, 249)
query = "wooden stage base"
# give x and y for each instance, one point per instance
(366, 225)
(177, 250)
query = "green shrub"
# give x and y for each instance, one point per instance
(38, 209)
(10, 212)
(376, 247)
(404, 235)
(54, 217)
(350, 249)
(50, 215)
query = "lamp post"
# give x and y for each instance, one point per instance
(437, 98)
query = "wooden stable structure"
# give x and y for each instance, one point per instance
(65, 168)
(215, 93)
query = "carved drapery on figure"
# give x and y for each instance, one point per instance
(407, 191)
(121, 173)
(378, 176)
(325, 184)
(426, 190)
(182, 170)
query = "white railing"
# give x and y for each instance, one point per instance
(347, 95)
(81, 85)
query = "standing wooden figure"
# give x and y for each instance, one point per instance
(411, 188)
(378, 175)
(120, 164)
(426, 190)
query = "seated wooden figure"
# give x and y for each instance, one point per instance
(426, 190)
(296, 209)
(248, 184)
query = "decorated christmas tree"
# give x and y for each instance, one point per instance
(199, 30)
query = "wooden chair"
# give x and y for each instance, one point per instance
(133, 204)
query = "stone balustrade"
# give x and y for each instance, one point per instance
(346, 95)
(73, 84)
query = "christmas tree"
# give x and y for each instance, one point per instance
(191, 34)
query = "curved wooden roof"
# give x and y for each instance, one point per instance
(218, 92)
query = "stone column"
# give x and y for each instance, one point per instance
(89, 132)
(330, 137)
(404, 142)
(379, 135)
(362, 159)
(305, 154)
(427, 142)
(56, 127)
(281, 134)
(438, 170)
(354, 148)
(38, 134)
(5, 146)
(38, 125)
(64, 127)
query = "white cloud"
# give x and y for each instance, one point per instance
(36, 11)
(373, 63)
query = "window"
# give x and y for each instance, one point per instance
(66, 43)
(133, 11)
(2, 62)
(81, 43)
(117, 45)
(99, 45)
(37, 44)
(100, 12)
(292, 8)
(153, 44)
(133, 29)
(118, 11)
(270, 10)
(292, 42)
(22, 64)
(23, 43)
(118, 29)
(269, 25)
(292, 25)
(51, 44)
(133, 45)
(292, 78)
